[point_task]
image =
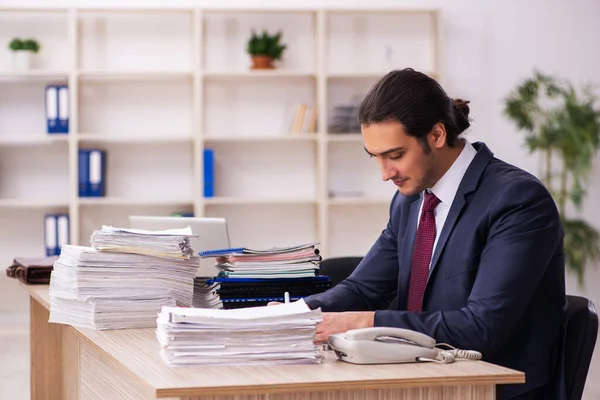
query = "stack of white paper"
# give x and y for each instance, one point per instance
(124, 286)
(111, 313)
(282, 334)
(171, 243)
(206, 295)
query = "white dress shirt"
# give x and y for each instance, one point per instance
(445, 189)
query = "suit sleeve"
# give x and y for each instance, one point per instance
(375, 279)
(525, 231)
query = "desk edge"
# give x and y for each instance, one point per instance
(516, 377)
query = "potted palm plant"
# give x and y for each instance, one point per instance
(23, 53)
(264, 49)
(563, 125)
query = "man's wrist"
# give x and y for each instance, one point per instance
(369, 319)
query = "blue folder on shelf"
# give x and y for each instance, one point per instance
(84, 172)
(57, 108)
(209, 173)
(97, 173)
(56, 233)
(51, 235)
(92, 173)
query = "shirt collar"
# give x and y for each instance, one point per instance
(445, 189)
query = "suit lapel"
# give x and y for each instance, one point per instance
(410, 232)
(467, 185)
(455, 210)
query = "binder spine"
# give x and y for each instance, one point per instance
(84, 172)
(63, 231)
(209, 189)
(63, 109)
(52, 109)
(97, 173)
(51, 235)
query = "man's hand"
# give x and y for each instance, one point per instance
(274, 303)
(342, 322)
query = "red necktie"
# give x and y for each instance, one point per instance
(422, 251)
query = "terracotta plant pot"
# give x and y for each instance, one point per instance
(262, 62)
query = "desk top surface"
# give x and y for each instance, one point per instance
(137, 350)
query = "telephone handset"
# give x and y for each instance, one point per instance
(385, 345)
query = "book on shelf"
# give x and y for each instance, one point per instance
(56, 233)
(209, 172)
(92, 172)
(57, 109)
(304, 119)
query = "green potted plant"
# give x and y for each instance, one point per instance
(23, 52)
(563, 125)
(264, 49)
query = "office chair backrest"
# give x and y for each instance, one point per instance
(339, 268)
(581, 334)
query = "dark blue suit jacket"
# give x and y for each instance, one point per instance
(496, 282)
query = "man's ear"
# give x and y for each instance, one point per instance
(438, 135)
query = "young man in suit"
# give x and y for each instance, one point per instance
(473, 250)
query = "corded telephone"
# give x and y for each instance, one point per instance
(382, 345)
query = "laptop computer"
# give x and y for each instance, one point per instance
(213, 234)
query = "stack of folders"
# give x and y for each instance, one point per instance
(124, 279)
(300, 261)
(280, 334)
(248, 277)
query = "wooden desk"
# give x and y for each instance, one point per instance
(72, 363)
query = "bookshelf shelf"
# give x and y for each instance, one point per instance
(33, 74)
(258, 201)
(353, 75)
(252, 74)
(95, 138)
(301, 137)
(33, 203)
(121, 201)
(32, 139)
(344, 137)
(359, 201)
(155, 87)
(134, 75)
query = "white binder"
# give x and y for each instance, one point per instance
(51, 235)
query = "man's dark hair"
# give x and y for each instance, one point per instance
(417, 102)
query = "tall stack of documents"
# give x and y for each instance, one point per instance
(249, 277)
(123, 279)
(281, 334)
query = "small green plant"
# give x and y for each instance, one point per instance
(266, 45)
(24, 45)
(562, 125)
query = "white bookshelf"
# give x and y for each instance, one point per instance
(154, 87)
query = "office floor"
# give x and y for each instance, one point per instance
(14, 366)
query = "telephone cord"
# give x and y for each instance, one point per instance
(449, 356)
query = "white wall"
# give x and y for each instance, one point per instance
(489, 47)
